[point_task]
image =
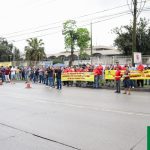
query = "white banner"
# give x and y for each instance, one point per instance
(137, 57)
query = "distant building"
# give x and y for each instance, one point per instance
(98, 51)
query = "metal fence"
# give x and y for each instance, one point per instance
(110, 60)
(94, 60)
(27, 63)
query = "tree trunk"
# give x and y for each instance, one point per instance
(72, 49)
(71, 57)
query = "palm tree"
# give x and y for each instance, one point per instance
(35, 50)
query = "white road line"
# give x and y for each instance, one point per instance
(46, 100)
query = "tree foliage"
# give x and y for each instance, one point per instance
(83, 38)
(16, 54)
(75, 37)
(8, 51)
(124, 38)
(35, 50)
(84, 56)
(69, 32)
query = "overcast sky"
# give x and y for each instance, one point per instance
(22, 19)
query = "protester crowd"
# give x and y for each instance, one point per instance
(52, 75)
(43, 75)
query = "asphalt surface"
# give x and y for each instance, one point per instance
(41, 118)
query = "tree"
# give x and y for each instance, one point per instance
(84, 56)
(35, 50)
(124, 38)
(83, 38)
(16, 54)
(69, 31)
(5, 50)
(75, 37)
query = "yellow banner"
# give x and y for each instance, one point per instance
(5, 64)
(78, 76)
(134, 75)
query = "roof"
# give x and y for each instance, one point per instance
(102, 50)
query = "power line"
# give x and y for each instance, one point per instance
(86, 15)
(34, 31)
(107, 19)
(106, 16)
(61, 26)
(52, 33)
(80, 26)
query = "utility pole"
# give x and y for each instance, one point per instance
(134, 30)
(14, 50)
(91, 44)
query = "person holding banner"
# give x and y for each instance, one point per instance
(126, 81)
(117, 66)
(117, 79)
(96, 77)
(100, 73)
(132, 82)
(140, 68)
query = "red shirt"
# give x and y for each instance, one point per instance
(65, 70)
(140, 68)
(100, 69)
(123, 68)
(117, 75)
(118, 67)
(7, 71)
(96, 71)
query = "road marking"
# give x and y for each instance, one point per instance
(46, 100)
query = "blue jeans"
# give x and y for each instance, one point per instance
(96, 82)
(51, 81)
(132, 83)
(59, 86)
(46, 81)
(3, 77)
(34, 78)
(118, 86)
(41, 78)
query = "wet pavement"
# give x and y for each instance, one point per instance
(41, 118)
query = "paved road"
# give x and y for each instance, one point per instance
(73, 118)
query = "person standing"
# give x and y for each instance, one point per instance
(58, 78)
(100, 74)
(41, 75)
(13, 74)
(140, 68)
(117, 79)
(147, 81)
(1, 81)
(126, 81)
(132, 82)
(7, 73)
(50, 76)
(117, 65)
(96, 77)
